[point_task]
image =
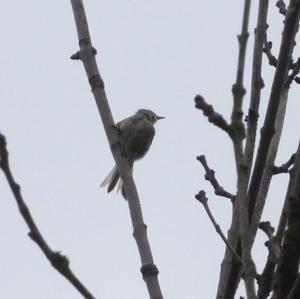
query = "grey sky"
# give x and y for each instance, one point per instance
(152, 54)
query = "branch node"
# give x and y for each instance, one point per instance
(84, 42)
(76, 56)
(238, 90)
(201, 197)
(149, 270)
(94, 51)
(252, 116)
(96, 81)
(59, 261)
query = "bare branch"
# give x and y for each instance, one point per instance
(279, 89)
(265, 279)
(272, 244)
(58, 261)
(213, 117)
(284, 168)
(245, 163)
(289, 259)
(271, 131)
(238, 89)
(87, 56)
(201, 197)
(230, 271)
(210, 176)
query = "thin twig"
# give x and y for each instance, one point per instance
(272, 244)
(87, 56)
(201, 197)
(288, 264)
(295, 72)
(58, 261)
(267, 50)
(265, 279)
(210, 176)
(213, 117)
(272, 59)
(284, 168)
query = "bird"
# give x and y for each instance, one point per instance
(135, 137)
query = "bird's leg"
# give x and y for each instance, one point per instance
(116, 128)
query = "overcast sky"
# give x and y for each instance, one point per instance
(151, 54)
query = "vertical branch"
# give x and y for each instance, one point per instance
(238, 89)
(270, 136)
(229, 265)
(266, 278)
(244, 168)
(86, 54)
(268, 171)
(278, 87)
(287, 270)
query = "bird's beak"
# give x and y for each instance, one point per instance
(160, 117)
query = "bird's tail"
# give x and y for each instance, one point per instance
(112, 179)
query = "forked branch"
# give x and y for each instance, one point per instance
(211, 177)
(284, 168)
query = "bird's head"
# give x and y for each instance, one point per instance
(150, 115)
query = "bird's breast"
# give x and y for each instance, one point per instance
(136, 141)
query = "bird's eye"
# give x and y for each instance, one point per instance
(148, 116)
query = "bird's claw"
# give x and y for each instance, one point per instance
(117, 129)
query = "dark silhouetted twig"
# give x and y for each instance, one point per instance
(267, 50)
(213, 117)
(284, 168)
(265, 279)
(201, 197)
(272, 244)
(58, 261)
(288, 264)
(210, 176)
(294, 73)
